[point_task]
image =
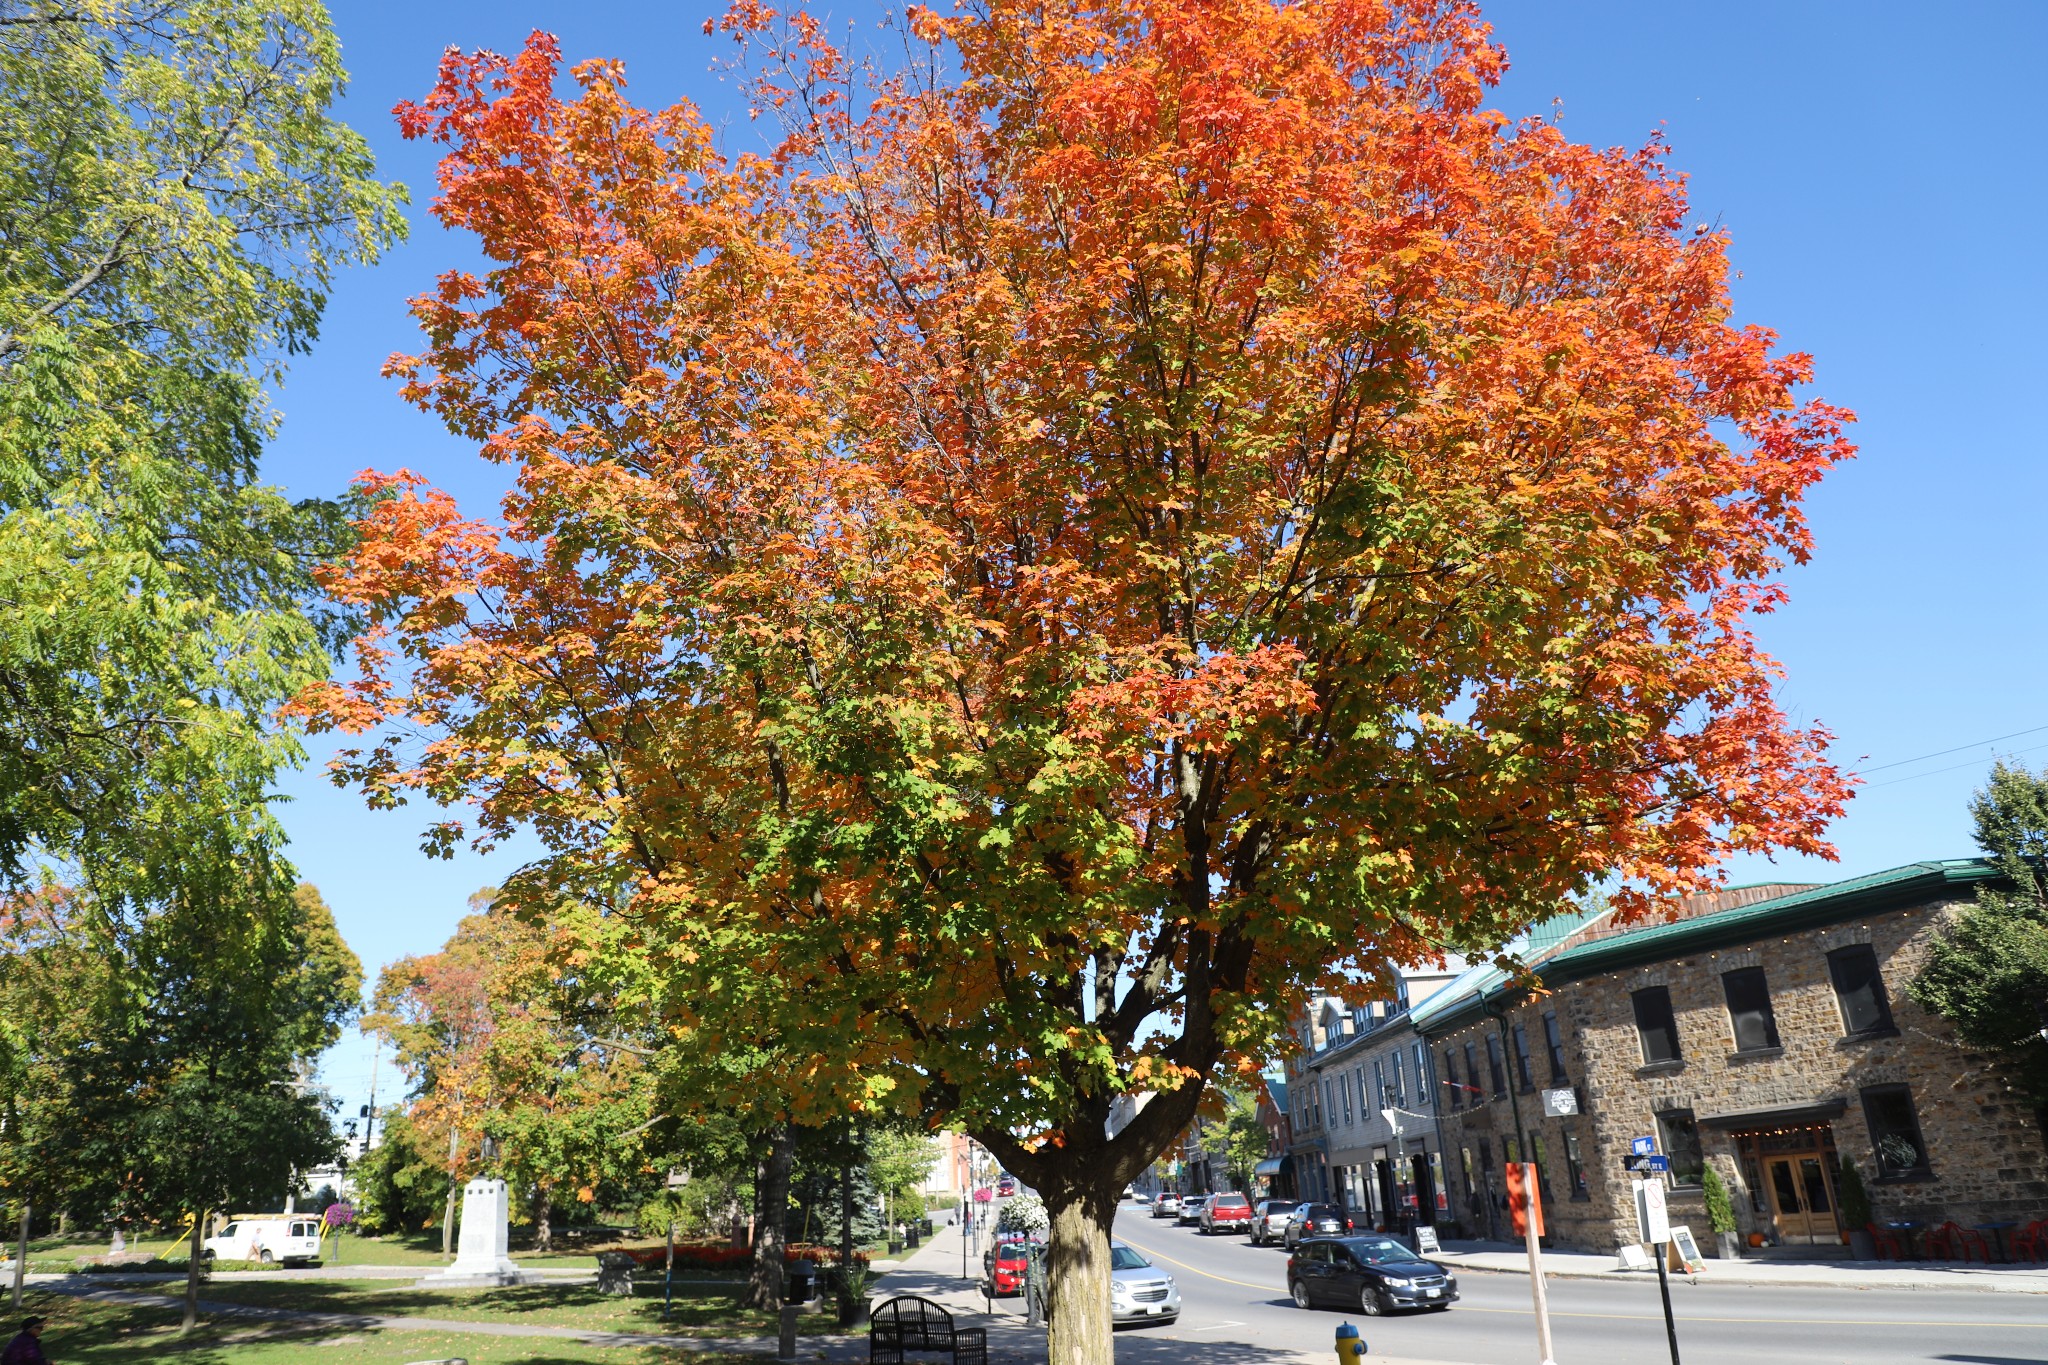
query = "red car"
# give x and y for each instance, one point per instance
(1227, 1213)
(1006, 1263)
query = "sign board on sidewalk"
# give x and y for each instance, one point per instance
(1632, 1258)
(1426, 1243)
(1652, 1222)
(1687, 1249)
(1560, 1103)
(1642, 1146)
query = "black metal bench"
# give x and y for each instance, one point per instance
(910, 1323)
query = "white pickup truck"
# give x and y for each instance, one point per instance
(291, 1238)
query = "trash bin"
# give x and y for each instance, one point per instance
(800, 1282)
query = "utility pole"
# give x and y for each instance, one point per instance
(370, 1109)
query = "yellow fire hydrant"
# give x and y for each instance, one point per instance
(1350, 1345)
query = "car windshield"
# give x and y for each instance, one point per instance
(1382, 1251)
(1127, 1258)
(1280, 1206)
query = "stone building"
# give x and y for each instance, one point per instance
(1766, 1032)
(1364, 1114)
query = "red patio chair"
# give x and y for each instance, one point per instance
(1888, 1244)
(2032, 1241)
(1954, 1242)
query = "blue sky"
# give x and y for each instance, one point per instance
(1880, 168)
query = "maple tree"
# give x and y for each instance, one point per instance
(1142, 512)
(500, 1040)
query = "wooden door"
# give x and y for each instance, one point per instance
(1802, 1197)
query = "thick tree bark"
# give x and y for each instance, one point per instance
(1077, 1297)
(771, 1211)
(543, 1225)
(193, 1251)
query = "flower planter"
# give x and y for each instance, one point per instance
(1861, 1248)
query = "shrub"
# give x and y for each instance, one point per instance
(1855, 1199)
(1720, 1213)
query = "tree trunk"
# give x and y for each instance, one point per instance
(448, 1219)
(543, 1226)
(771, 1210)
(192, 1262)
(1077, 1255)
(21, 1256)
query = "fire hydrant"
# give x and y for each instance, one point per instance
(1350, 1345)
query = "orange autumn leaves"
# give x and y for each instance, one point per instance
(1146, 513)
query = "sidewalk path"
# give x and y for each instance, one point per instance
(2012, 1279)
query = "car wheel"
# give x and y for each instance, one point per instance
(1369, 1301)
(206, 1256)
(1300, 1292)
(264, 1257)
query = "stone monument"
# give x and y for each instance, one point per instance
(481, 1254)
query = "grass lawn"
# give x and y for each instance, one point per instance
(82, 1333)
(699, 1310)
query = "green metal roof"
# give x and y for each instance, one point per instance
(1895, 888)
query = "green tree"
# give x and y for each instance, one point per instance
(401, 1181)
(1245, 1142)
(174, 201)
(188, 1073)
(1989, 972)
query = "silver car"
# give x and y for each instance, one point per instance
(1138, 1290)
(1191, 1210)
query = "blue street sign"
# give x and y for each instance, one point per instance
(1643, 1146)
(1657, 1163)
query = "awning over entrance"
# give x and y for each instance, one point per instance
(1819, 1111)
(1270, 1166)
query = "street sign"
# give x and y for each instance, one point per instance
(1642, 1146)
(1657, 1162)
(1651, 1220)
(1635, 1161)
(1560, 1103)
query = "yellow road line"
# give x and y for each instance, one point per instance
(1613, 1317)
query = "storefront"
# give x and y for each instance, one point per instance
(1788, 1162)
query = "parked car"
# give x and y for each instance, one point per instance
(1314, 1220)
(1269, 1218)
(1167, 1205)
(1191, 1210)
(1006, 1262)
(1371, 1274)
(1006, 1187)
(1226, 1213)
(1138, 1290)
(293, 1240)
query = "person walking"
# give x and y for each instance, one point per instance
(27, 1346)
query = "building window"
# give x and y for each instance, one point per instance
(1346, 1088)
(1894, 1132)
(1522, 1072)
(1682, 1144)
(1554, 1037)
(1749, 1009)
(1456, 1097)
(1542, 1163)
(1472, 1073)
(1575, 1167)
(1859, 990)
(1379, 1082)
(1422, 1076)
(1493, 1067)
(1400, 1084)
(1655, 1026)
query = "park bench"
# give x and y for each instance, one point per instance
(910, 1323)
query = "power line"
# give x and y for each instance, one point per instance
(1938, 753)
(1953, 767)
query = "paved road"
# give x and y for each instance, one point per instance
(1235, 1292)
